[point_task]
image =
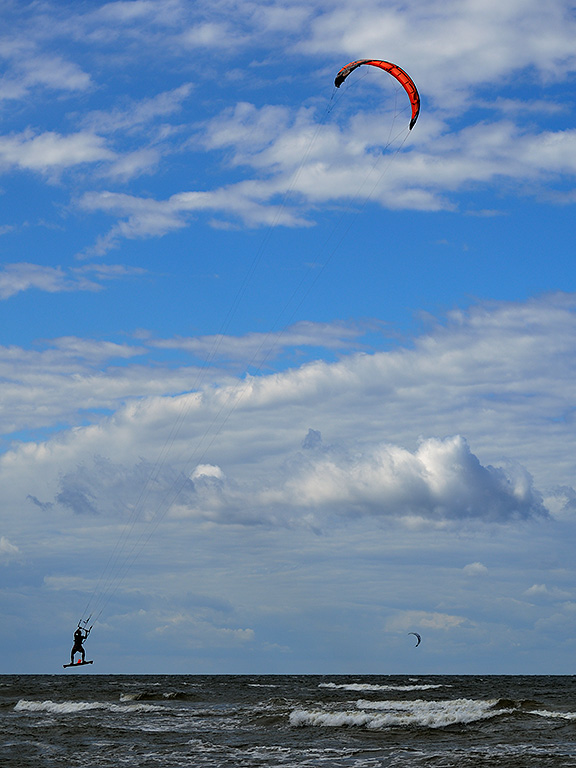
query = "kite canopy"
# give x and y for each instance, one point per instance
(403, 78)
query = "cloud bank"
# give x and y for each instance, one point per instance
(397, 426)
(441, 481)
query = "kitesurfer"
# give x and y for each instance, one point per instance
(79, 637)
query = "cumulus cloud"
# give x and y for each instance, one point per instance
(475, 569)
(207, 471)
(442, 481)
(543, 592)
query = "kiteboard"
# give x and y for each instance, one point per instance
(78, 664)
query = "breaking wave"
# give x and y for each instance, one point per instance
(376, 715)
(78, 707)
(371, 687)
(559, 715)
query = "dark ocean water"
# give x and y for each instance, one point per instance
(165, 721)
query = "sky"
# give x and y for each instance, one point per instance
(282, 380)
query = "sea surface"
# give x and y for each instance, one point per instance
(288, 721)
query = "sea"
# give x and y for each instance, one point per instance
(75, 720)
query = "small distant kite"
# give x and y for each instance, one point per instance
(418, 638)
(403, 78)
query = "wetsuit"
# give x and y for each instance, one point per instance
(79, 637)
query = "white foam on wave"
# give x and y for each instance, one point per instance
(358, 687)
(376, 715)
(78, 707)
(559, 715)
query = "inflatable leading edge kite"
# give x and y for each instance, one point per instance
(403, 78)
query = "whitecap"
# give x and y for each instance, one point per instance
(371, 687)
(78, 707)
(388, 714)
(560, 715)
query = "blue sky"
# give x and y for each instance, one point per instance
(281, 380)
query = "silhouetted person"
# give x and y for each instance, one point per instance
(79, 636)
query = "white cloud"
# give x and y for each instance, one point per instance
(475, 569)
(28, 68)
(299, 166)
(7, 549)
(483, 373)
(207, 470)
(129, 11)
(133, 164)
(452, 48)
(51, 151)
(137, 115)
(53, 72)
(144, 217)
(422, 620)
(404, 486)
(441, 480)
(259, 348)
(72, 380)
(93, 352)
(543, 592)
(23, 276)
(452, 45)
(501, 369)
(67, 377)
(15, 278)
(210, 34)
